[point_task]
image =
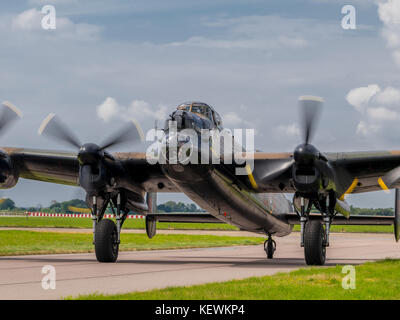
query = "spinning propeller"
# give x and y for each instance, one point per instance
(306, 157)
(8, 115)
(8, 174)
(94, 174)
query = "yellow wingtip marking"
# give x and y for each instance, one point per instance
(350, 189)
(382, 184)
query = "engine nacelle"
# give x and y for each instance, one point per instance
(8, 172)
(93, 178)
(306, 179)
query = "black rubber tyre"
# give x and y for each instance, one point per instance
(106, 246)
(314, 249)
(269, 248)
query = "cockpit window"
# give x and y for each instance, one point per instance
(202, 110)
(184, 107)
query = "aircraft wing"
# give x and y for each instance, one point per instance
(184, 217)
(355, 172)
(63, 168)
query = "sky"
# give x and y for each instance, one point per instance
(110, 61)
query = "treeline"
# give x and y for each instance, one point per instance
(371, 212)
(169, 206)
(73, 205)
(172, 206)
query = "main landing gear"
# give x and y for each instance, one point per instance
(314, 237)
(106, 233)
(314, 243)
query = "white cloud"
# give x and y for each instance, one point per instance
(381, 114)
(376, 106)
(141, 110)
(389, 11)
(108, 110)
(28, 20)
(291, 130)
(366, 129)
(392, 36)
(360, 97)
(380, 108)
(389, 95)
(249, 32)
(31, 21)
(232, 120)
(45, 2)
(138, 110)
(389, 14)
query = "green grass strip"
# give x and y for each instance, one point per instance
(21, 242)
(55, 222)
(49, 222)
(378, 280)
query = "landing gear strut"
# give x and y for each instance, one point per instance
(269, 247)
(314, 237)
(106, 234)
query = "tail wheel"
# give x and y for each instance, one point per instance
(106, 245)
(314, 239)
(269, 248)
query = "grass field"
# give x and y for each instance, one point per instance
(49, 222)
(16, 242)
(378, 280)
(40, 222)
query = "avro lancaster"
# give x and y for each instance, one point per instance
(255, 201)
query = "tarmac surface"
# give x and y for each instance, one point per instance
(21, 276)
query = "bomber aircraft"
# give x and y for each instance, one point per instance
(254, 201)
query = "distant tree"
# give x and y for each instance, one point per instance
(172, 206)
(7, 204)
(372, 211)
(64, 206)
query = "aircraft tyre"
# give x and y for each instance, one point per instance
(106, 244)
(269, 248)
(314, 248)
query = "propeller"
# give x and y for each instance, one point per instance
(305, 154)
(8, 174)
(8, 115)
(53, 127)
(94, 173)
(310, 110)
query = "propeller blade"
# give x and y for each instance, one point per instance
(8, 115)
(310, 109)
(132, 132)
(274, 168)
(390, 178)
(54, 128)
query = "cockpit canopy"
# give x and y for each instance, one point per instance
(203, 110)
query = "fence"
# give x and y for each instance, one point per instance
(74, 215)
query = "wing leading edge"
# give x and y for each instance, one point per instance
(63, 168)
